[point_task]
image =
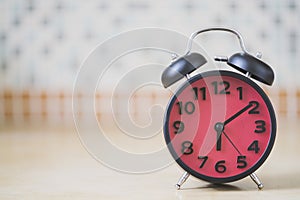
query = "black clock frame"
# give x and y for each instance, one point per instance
(272, 135)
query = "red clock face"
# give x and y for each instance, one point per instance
(220, 126)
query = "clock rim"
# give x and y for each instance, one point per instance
(272, 134)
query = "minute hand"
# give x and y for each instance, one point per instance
(238, 113)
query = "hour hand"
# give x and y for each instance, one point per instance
(219, 127)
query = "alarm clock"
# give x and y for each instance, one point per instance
(219, 125)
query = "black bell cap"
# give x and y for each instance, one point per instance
(259, 70)
(180, 67)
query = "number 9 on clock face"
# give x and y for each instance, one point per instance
(220, 126)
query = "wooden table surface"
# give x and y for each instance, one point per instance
(52, 164)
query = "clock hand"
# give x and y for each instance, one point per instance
(238, 113)
(219, 140)
(232, 143)
(219, 127)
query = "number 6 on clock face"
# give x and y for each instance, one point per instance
(220, 126)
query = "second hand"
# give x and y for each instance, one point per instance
(232, 143)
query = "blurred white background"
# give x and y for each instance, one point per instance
(43, 43)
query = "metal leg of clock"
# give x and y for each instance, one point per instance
(257, 181)
(182, 179)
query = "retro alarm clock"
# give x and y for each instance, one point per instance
(219, 125)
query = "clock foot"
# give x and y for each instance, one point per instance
(257, 181)
(182, 179)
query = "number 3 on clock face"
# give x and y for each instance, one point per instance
(220, 126)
